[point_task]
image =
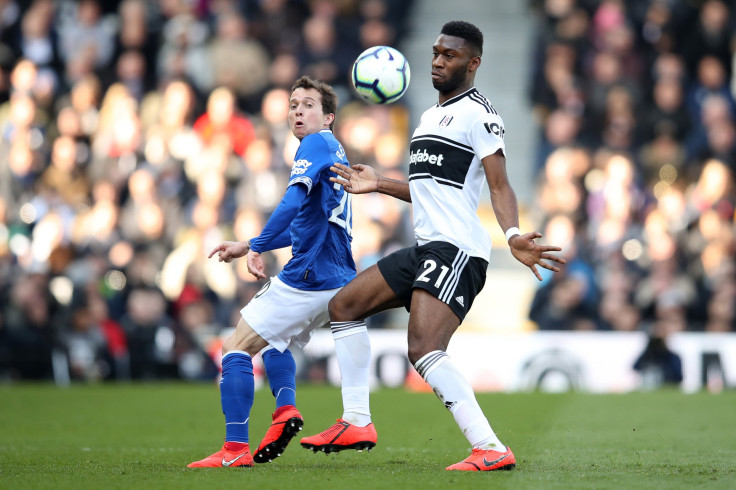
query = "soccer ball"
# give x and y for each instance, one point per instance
(381, 75)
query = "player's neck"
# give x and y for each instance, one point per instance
(445, 96)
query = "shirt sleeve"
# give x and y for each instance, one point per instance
(486, 135)
(311, 158)
(276, 233)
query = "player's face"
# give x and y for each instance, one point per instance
(305, 113)
(450, 61)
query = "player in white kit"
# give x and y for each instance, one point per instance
(458, 144)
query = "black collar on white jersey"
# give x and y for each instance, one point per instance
(471, 90)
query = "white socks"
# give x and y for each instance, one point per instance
(456, 393)
(353, 350)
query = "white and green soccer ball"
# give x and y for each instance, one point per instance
(381, 75)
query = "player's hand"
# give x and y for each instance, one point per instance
(532, 255)
(227, 251)
(256, 265)
(357, 179)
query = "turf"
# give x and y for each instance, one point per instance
(143, 435)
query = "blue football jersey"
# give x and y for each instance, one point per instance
(322, 230)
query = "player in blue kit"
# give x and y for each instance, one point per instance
(314, 217)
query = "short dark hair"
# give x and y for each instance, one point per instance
(329, 97)
(467, 31)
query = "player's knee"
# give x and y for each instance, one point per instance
(420, 347)
(227, 345)
(339, 309)
(416, 352)
(233, 342)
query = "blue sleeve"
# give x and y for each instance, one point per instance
(312, 156)
(276, 233)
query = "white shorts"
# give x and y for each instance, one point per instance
(283, 315)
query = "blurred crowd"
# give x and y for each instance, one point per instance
(135, 136)
(636, 160)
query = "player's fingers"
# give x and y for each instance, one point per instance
(340, 171)
(214, 251)
(554, 258)
(551, 248)
(536, 272)
(549, 267)
(340, 181)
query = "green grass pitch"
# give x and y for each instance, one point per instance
(143, 436)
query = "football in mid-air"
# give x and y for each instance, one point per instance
(381, 75)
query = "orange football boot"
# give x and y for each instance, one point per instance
(486, 460)
(342, 435)
(284, 427)
(225, 458)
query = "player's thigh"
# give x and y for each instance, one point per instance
(280, 314)
(245, 339)
(366, 295)
(446, 284)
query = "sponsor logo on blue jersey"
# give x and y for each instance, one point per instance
(300, 167)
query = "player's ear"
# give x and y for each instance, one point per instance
(474, 63)
(329, 118)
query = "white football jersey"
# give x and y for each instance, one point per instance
(445, 171)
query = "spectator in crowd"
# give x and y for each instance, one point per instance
(321, 55)
(658, 365)
(87, 35)
(712, 36)
(29, 318)
(134, 40)
(222, 121)
(248, 78)
(37, 42)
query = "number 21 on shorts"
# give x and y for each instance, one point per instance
(429, 267)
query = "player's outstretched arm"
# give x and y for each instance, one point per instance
(505, 206)
(361, 179)
(532, 255)
(227, 251)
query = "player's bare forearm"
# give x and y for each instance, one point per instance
(503, 197)
(505, 207)
(523, 247)
(394, 188)
(362, 179)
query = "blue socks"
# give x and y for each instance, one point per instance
(236, 394)
(281, 372)
(237, 387)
